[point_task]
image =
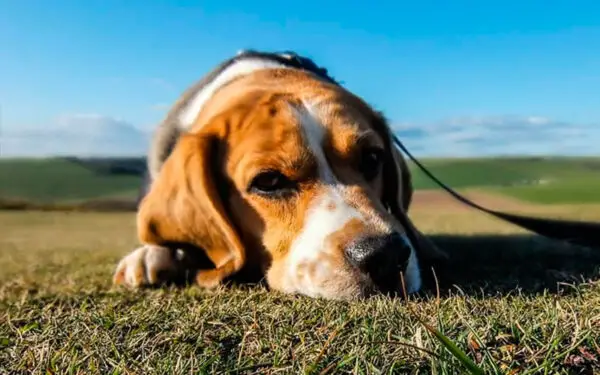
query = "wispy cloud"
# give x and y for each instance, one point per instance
(500, 135)
(77, 134)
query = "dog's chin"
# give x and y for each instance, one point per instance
(364, 287)
(346, 283)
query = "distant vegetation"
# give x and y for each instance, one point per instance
(538, 180)
(70, 179)
(76, 180)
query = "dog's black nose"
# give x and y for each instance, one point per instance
(378, 255)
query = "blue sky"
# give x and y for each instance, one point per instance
(455, 77)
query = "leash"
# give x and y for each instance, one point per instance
(574, 232)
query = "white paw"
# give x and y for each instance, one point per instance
(146, 265)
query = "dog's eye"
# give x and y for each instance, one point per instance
(271, 183)
(370, 161)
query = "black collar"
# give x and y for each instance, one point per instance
(288, 58)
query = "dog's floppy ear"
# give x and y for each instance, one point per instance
(184, 206)
(428, 251)
(398, 192)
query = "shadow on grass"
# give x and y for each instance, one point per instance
(501, 264)
(479, 266)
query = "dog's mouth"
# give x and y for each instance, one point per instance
(388, 284)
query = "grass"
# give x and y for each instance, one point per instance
(536, 180)
(576, 190)
(513, 303)
(61, 180)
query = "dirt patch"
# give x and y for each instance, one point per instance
(436, 199)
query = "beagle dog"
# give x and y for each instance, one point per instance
(268, 166)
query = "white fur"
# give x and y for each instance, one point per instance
(322, 221)
(308, 247)
(140, 266)
(189, 113)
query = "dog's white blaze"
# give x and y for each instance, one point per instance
(322, 220)
(309, 246)
(189, 113)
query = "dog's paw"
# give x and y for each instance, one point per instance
(148, 265)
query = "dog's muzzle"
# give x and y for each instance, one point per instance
(381, 257)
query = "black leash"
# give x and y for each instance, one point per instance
(575, 232)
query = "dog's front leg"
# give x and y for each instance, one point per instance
(152, 265)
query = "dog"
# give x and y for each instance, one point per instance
(269, 166)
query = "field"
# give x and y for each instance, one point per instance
(537, 180)
(512, 302)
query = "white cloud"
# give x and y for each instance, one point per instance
(97, 135)
(500, 135)
(76, 134)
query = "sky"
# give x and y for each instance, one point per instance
(455, 78)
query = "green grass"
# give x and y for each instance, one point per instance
(576, 190)
(512, 303)
(537, 180)
(59, 180)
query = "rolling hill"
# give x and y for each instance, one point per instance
(55, 180)
(539, 180)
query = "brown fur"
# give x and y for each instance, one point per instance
(184, 206)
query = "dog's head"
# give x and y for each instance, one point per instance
(295, 176)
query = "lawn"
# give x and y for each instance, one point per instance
(513, 303)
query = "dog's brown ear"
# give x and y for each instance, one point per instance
(184, 205)
(398, 193)
(429, 252)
